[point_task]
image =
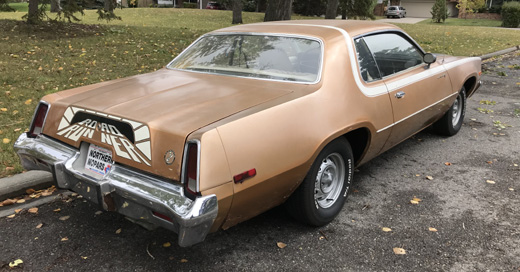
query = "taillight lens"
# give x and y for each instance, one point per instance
(38, 121)
(191, 170)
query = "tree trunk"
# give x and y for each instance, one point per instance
(109, 5)
(55, 5)
(32, 15)
(344, 10)
(278, 10)
(237, 12)
(332, 9)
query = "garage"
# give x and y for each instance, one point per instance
(417, 9)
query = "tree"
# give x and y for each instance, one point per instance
(469, 6)
(4, 6)
(332, 9)
(237, 12)
(37, 10)
(278, 10)
(360, 9)
(439, 11)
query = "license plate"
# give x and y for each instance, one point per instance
(99, 161)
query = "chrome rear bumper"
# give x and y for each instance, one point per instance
(136, 195)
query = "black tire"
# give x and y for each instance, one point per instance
(452, 120)
(319, 206)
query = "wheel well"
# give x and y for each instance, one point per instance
(469, 85)
(358, 140)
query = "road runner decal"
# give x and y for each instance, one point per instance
(139, 150)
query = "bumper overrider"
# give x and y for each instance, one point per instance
(142, 198)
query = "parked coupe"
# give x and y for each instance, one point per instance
(245, 119)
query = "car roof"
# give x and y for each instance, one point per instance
(319, 28)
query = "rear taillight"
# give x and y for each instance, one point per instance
(38, 120)
(191, 170)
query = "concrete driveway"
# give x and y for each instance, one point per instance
(407, 20)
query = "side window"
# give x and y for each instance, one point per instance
(393, 53)
(367, 64)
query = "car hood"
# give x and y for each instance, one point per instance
(141, 118)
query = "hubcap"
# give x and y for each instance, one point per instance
(456, 111)
(329, 180)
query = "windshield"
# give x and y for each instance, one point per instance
(255, 56)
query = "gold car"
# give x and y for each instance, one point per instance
(247, 118)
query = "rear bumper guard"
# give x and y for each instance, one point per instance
(136, 195)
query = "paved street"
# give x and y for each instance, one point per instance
(467, 218)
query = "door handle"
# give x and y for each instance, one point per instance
(399, 95)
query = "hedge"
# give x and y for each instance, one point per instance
(511, 14)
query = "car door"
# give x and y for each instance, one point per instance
(419, 92)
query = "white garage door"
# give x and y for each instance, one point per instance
(418, 9)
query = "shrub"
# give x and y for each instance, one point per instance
(439, 11)
(189, 5)
(511, 14)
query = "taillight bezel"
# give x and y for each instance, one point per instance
(31, 133)
(184, 174)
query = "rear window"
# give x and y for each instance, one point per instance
(392, 8)
(256, 56)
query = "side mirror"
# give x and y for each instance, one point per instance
(429, 58)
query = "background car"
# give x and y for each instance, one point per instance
(214, 5)
(396, 11)
(245, 119)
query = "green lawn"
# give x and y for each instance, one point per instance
(23, 7)
(465, 22)
(38, 60)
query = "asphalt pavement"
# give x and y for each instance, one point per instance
(466, 217)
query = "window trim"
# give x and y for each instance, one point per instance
(393, 31)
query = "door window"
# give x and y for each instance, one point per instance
(393, 53)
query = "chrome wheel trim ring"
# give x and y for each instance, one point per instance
(457, 110)
(329, 181)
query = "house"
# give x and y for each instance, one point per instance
(419, 8)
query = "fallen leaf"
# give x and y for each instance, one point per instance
(74, 194)
(84, 257)
(184, 261)
(18, 210)
(417, 175)
(98, 212)
(516, 165)
(64, 239)
(6, 141)
(399, 251)
(57, 210)
(118, 231)
(429, 177)
(63, 218)
(322, 237)
(33, 210)
(7, 202)
(28, 102)
(9, 168)
(30, 191)
(447, 163)
(11, 216)
(3, 109)
(511, 189)
(20, 201)
(432, 229)
(46, 193)
(490, 181)
(415, 200)
(39, 226)
(15, 263)
(490, 162)
(281, 245)
(385, 229)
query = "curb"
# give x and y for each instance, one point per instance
(17, 184)
(501, 52)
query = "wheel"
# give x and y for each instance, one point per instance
(321, 196)
(452, 120)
